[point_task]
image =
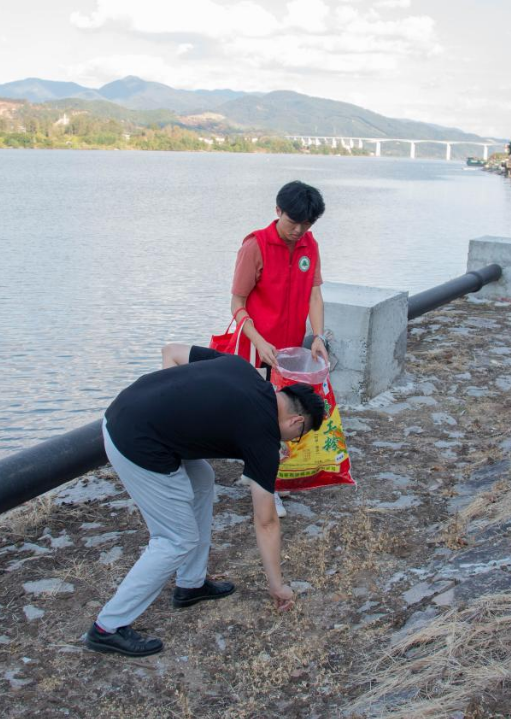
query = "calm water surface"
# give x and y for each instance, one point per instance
(105, 256)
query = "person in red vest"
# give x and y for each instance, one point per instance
(277, 282)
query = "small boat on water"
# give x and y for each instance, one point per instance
(475, 161)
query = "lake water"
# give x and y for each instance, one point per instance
(105, 256)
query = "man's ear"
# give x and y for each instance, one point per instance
(297, 421)
(278, 211)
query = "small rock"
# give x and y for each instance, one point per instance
(16, 683)
(227, 520)
(62, 541)
(445, 600)
(313, 530)
(99, 539)
(368, 605)
(443, 418)
(360, 592)
(404, 502)
(396, 479)
(413, 430)
(48, 586)
(300, 587)
(85, 490)
(419, 401)
(417, 621)
(389, 445)
(504, 383)
(298, 509)
(424, 589)
(112, 556)
(355, 424)
(32, 612)
(478, 392)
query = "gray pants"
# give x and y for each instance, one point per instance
(178, 510)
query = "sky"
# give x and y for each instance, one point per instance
(440, 61)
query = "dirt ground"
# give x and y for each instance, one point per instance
(369, 565)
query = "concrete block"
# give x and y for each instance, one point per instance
(487, 251)
(368, 325)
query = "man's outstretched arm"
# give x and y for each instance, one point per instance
(267, 527)
(175, 354)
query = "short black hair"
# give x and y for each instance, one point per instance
(301, 202)
(307, 403)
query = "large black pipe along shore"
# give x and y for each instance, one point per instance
(442, 294)
(33, 471)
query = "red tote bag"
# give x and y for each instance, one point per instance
(229, 342)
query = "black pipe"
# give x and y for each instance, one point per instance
(38, 469)
(437, 296)
(33, 471)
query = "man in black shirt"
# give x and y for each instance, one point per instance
(158, 433)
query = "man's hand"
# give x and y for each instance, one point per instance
(318, 349)
(266, 351)
(284, 597)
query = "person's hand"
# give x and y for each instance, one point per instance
(267, 352)
(284, 597)
(318, 349)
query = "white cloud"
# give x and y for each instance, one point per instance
(394, 3)
(200, 17)
(344, 15)
(101, 70)
(308, 15)
(324, 54)
(310, 35)
(184, 47)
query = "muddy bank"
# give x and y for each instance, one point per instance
(426, 534)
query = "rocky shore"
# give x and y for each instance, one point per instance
(403, 584)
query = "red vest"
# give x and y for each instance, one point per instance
(279, 303)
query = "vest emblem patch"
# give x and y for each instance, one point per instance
(304, 263)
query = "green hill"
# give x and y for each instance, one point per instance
(278, 113)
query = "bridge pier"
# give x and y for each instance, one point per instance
(349, 143)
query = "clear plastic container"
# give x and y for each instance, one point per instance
(296, 364)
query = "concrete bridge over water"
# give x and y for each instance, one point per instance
(348, 143)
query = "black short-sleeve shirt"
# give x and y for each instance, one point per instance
(217, 406)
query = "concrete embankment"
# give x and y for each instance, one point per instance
(403, 605)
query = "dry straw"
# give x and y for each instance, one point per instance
(438, 670)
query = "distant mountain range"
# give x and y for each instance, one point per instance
(280, 112)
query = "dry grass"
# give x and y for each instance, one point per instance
(30, 518)
(494, 506)
(438, 670)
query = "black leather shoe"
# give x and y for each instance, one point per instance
(125, 641)
(210, 590)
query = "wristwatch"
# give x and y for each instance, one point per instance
(322, 338)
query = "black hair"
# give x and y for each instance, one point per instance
(301, 202)
(306, 402)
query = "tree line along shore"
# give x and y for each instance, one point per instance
(39, 127)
